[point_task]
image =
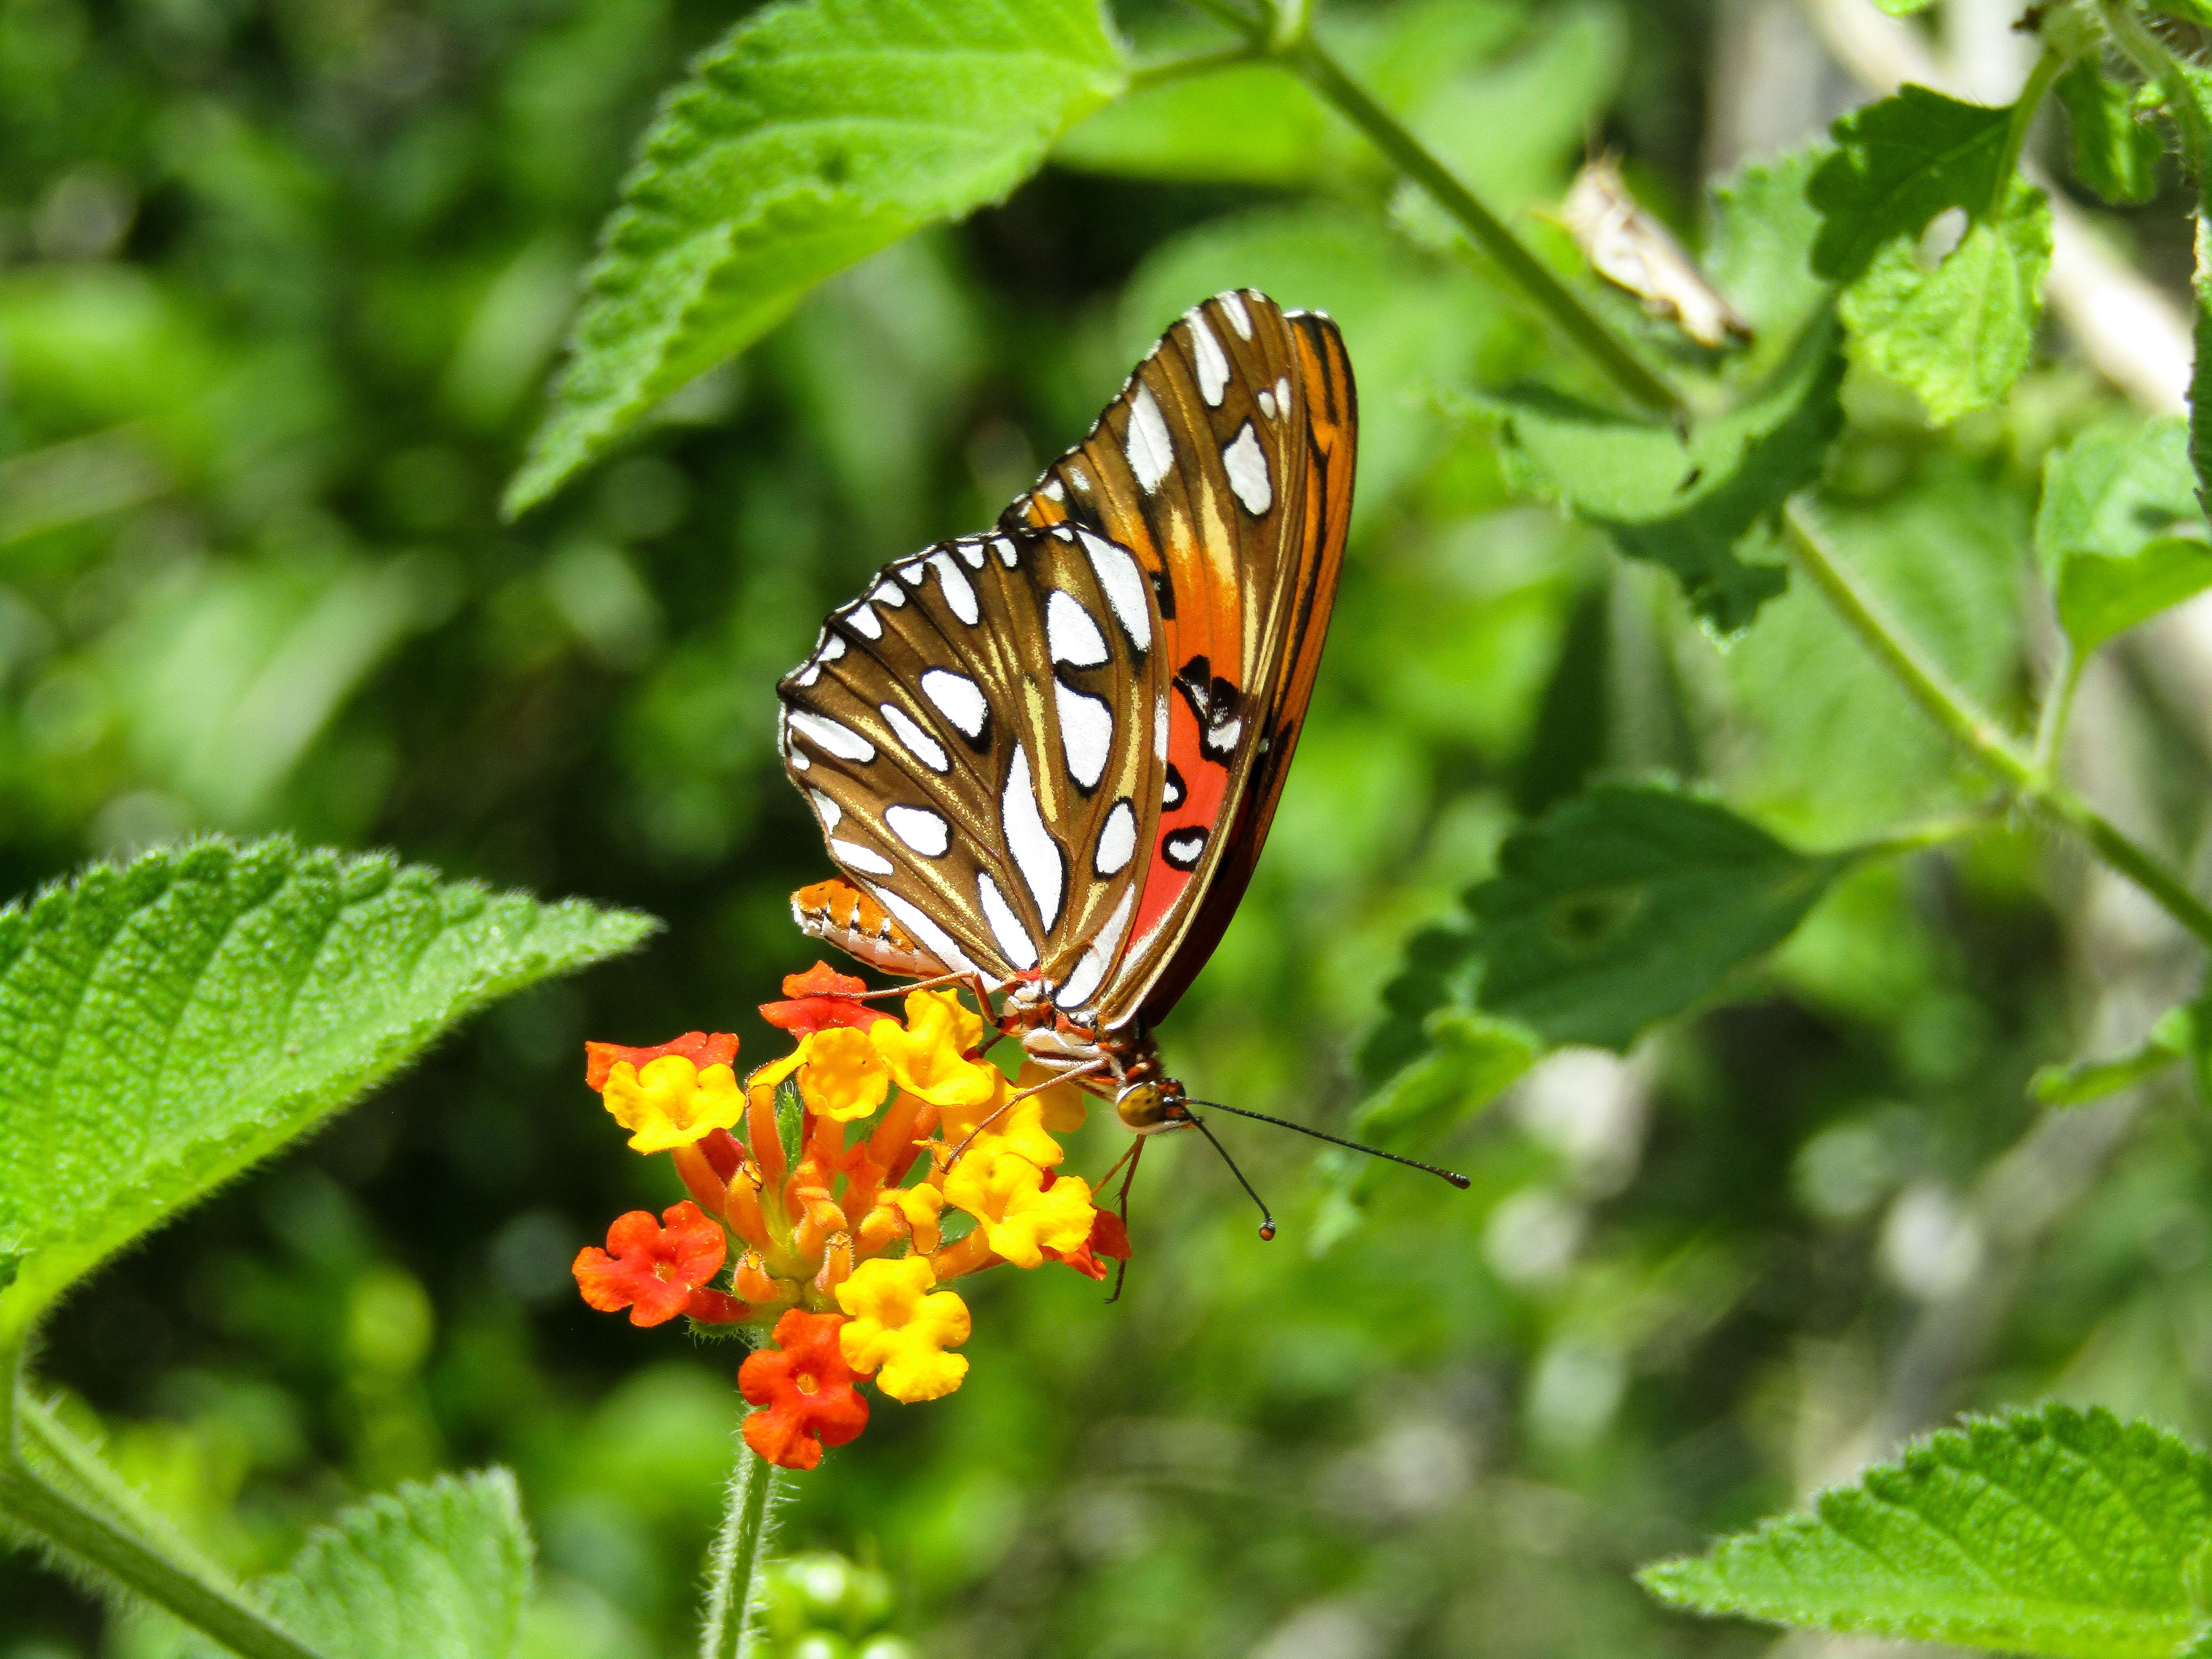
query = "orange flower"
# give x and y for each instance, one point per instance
(806, 1390)
(654, 1270)
(697, 1047)
(818, 999)
(1108, 1238)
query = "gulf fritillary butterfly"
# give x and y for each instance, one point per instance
(1045, 757)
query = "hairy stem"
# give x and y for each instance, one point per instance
(139, 1564)
(1981, 737)
(2150, 54)
(733, 1570)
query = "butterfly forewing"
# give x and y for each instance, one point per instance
(1226, 467)
(974, 733)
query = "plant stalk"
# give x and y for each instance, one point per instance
(2024, 108)
(733, 1570)
(1981, 737)
(133, 1562)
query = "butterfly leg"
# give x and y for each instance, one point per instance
(1015, 1099)
(1121, 1203)
(971, 982)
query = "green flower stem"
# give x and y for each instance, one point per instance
(2023, 116)
(2057, 706)
(2150, 54)
(1284, 37)
(1982, 738)
(1148, 76)
(136, 1564)
(733, 1570)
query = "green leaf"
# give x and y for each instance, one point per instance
(1471, 1061)
(2200, 374)
(164, 1025)
(813, 134)
(2048, 1532)
(437, 1571)
(1904, 8)
(1628, 903)
(2115, 153)
(1256, 123)
(1897, 163)
(1759, 253)
(2198, 12)
(1687, 504)
(1960, 335)
(2119, 532)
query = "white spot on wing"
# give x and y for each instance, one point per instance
(1079, 477)
(1008, 554)
(1070, 635)
(959, 592)
(913, 571)
(1086, 734)
(857, 857)
(828, 809)
(1036, 855)
(920, 828)
(827, 734)
(1104, 947)
(808, 675)
(971, 554)
(865, 621)
(887, 594)
(919, 744)
(1232, 306)
(1283, 394)
(1006, 926)
(1248, 470)
(831, 649)
(1117, 840)
(799, 762)
(922, 927)
(1267, 402)
(1055, 490)
(1125, 588)
(957, 698)
(1207, 354)
(1152, 451)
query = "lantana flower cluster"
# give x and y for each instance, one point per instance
(834, 1193)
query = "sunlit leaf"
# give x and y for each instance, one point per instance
(1897, 163)
(1687, 504)
(1628, 903)
(1256, 123)
(1760, 252)
(2119, 531)
(1959, 335)
(2115, 153)
(1471, 1061)
(164, 1025)
(2048, 1532)
(812, 135)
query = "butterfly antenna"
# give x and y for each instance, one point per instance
(1452, 1176)
(1267, 1219)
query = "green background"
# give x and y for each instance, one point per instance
(279, 286)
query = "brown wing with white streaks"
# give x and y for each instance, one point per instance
(974, 733)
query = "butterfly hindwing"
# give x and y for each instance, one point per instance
(976, 735)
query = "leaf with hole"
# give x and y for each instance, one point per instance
(2119, 532)
(164, 1025)
(1628, 903)
(1958, 334)
(2051, 1531)
(810, 136)
(1897, 164)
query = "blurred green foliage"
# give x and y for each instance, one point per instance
(279, 282)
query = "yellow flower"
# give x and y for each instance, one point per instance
(898, 1323)
(929, 1057)
(672, 1102)
(845, 1078)
(767, 1077)
(1019, 1215)
(919, 1208)
(1064, 1104)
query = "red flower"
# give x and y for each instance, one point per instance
(701, 1049)
(1108, 1237)
(807, 1390)
(821, 997)
(652, 1269)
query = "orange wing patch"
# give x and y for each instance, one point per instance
(840, 914)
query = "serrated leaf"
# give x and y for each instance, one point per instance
(812, 135)
(1628, 903)
(437, 1571)
(1686, 503)
(2048, 1532)
(2115, 153)
(164, 1025)
(1897, 163)
(1960, 335)
(2119, 532)
(1760, 252)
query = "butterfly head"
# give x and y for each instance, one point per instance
(1148, 1104)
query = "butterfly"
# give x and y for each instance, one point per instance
(1045, 758)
